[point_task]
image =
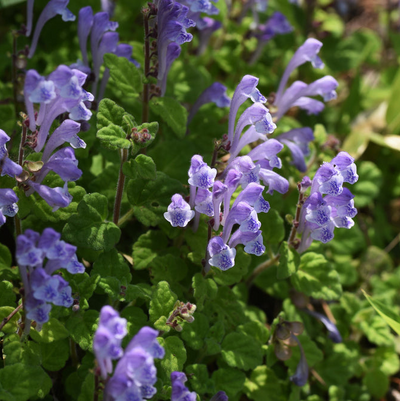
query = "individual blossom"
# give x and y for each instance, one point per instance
(277, 24)
(297, 140)
(208, 27)
(220, 396)
(38, 257)
(215, 93)
(330, 204)
(179, 213)
(307, 52)
(333, 332)
(179, 391)
(135, 374)
(300, 377)
(221, 255)
(7, 166)
(52, 8)
(107, 339)
(8, 204)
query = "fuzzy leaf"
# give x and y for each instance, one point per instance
(142, 166)
(124, 74)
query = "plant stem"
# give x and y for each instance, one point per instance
(146, 88)
(18, 225)
(260, 268)
(10, 316)
(120, 188)
(126, 217)
(295, 225)
(74, 355)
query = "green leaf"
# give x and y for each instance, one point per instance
(114, 272)
(289, 261)
(162, 302)
(147, 247)
(168, 268)
(87, 389)
(204, 288)
(87, 227)
(273, 227)
(175, 356)
(54, 355)
(198, 378)
(109, 113)
(21, 382)
(142, 166)
(340, 366)
(124, 74)
(7, 295)
(392, 115)
(214, 338)
(234, 274)
(52, 331)
(16, 351)
(82, 326)
(377, 383)
(240, 351)
(316, 278)
(263, 385)
(194, 333)
(134, 292)
(150, 199)
(136, 320)
(229, 380)
(226, 306)
(368, 185)
(255, 329)
(172, 112)
(113, 137)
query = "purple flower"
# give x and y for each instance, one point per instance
(215, 93)
(179, 212)
(221, 255)
(208, 27)
(7, 166)
(8, 204)
(220, 396)
(200, 174)
(179, 391)
(55, 197)
(334, 334)
(107, 339)
(52, 8)
(85, 22)
(297, 140)
(307, 52)
(301, 375)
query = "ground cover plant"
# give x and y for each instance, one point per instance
(199, 200)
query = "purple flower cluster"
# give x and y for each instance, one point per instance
(298, 94)
(57, 94)
(8, 198)
(103, 39)
(135, 374)
(208, 194)
(172, 22)
(329, 205)
(41, 287)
